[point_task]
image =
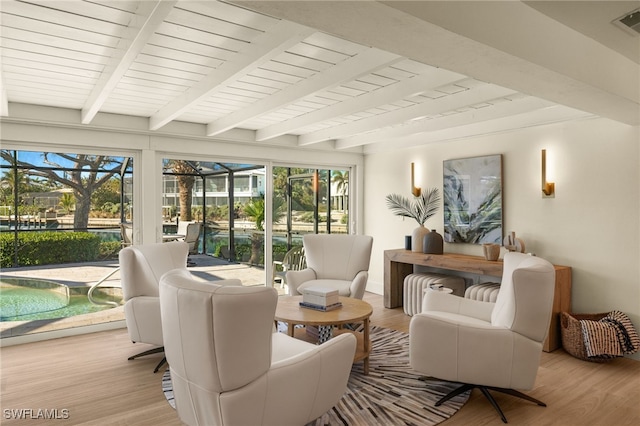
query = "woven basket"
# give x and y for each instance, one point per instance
(572, 338)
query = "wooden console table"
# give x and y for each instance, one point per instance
(399, 263)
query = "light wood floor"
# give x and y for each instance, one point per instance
(89, 376)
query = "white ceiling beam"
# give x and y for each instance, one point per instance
(501, 110)
(419, 84)
(545, 116)
(149, 16)
(462, 37)
(347, 70)
(476, 95)
(281, 37)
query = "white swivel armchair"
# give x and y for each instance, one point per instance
(141, 267)
(484, 345)
(227, 365)
(334, 261)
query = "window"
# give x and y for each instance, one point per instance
(59, 208)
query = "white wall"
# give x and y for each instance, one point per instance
(592, 224)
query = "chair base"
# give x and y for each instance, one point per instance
(485, 391)
(149, 352)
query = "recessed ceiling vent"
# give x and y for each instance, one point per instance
(630, 22)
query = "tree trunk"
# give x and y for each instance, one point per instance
(185, 186)
(81, 214)
(257, 243)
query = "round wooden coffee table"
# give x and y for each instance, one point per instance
(352, 311)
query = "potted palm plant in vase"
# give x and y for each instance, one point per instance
(420, 208)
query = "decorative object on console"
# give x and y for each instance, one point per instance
(472, 189)
(491, 251)
(433, 243)
(512, 243)
(407, 242)
(420, 209)
(417, 238)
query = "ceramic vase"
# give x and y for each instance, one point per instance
(417, 238)
(491, 251)
(433, 243)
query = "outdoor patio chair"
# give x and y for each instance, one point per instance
(191, 232)
(294, 260)
(126, 234)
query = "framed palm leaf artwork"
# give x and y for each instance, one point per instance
(472, 192)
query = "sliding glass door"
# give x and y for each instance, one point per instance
(230, 201)
(306, 201)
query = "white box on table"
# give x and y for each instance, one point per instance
(322, 296)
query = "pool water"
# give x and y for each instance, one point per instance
(28, 299)
(20, 301)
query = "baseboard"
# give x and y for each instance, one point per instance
(375, 287)
(55, 334)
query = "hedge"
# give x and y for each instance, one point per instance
(49, 247)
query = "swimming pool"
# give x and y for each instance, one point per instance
(27, 299)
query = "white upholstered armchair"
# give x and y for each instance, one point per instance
(484, 345)
(335, 261)
(227, 365)
(141, 267)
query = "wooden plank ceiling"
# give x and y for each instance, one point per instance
(227, 67)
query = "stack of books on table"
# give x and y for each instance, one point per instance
(320, 298)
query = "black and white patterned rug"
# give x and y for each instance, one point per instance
(392, 393)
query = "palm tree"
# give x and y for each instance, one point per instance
(255, 210)
(67, 201)
(341, 180)
(186, 180)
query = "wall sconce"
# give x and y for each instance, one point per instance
(548, 188)
(414, 190)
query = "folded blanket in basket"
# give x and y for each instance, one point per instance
(613, 335)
